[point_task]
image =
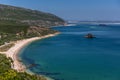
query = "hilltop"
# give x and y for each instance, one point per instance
(28, 16)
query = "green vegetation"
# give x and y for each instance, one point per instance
(13, 31)
(19, 23)
(6, 73)
(12, 26)
(9, 31)
(31, 17)
(23, 14)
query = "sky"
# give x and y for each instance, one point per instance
(90, 10)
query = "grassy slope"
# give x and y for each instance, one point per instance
(12, 31)
(9, 29)
(26, 14)
(13, 27)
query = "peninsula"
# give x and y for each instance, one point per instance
(18, 28)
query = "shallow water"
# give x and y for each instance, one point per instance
(70, 56)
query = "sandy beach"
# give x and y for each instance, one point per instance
(13, 51)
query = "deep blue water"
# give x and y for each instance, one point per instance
(70, 56)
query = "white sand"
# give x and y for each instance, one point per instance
(13, 51)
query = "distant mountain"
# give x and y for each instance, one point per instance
(28, 16)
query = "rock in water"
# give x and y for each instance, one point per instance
(89, 35)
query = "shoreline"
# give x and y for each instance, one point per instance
(14, 51)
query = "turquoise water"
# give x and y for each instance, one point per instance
(70, 56)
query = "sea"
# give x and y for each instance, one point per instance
(71, 56)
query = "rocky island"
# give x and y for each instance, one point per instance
(89, 36)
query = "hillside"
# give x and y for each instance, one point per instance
(19, 23)
(12, 31)
(31, 17)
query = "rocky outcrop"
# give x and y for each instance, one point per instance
(89, 35)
